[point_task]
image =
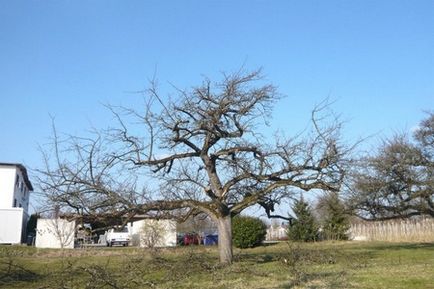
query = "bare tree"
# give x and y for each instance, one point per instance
(152, 234)
(398, 181)
(205, 153)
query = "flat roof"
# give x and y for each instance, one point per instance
(23, 170)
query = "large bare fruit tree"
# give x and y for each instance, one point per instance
(203, 151)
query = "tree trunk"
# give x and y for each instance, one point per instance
(224, 225)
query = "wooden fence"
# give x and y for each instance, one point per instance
(409, 230)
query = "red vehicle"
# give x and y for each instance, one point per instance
(191, 239)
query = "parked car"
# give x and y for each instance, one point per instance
(191, 239)
(118, 236)
(30, 240)
(180, 239)
(211, 239)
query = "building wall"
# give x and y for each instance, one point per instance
(14, 192)
(21, 191)
(162, 231)
(14, 203)
(275, 233)
(12, 225)
(7, 185)
(55, 233)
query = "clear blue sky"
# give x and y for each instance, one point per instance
(65, 58)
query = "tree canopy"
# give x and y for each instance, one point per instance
(203, 149)
(398, 181)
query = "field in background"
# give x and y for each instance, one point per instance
(283, 265)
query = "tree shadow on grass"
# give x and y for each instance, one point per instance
(13, 273)
(403, 246)
(256, 258)
(308, 256)
(319, 280)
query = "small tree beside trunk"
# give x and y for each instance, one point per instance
(334, 217)
(304, 227)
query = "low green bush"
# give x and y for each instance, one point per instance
(248, 232)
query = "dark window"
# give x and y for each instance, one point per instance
(17, 181)
(121, 230)
(15, 203)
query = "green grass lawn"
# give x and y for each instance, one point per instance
(283, 265)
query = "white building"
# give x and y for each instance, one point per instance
(15, 189)
(153, 233)
(55, 233)
(277, 232)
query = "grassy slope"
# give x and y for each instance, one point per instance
(319, 265)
